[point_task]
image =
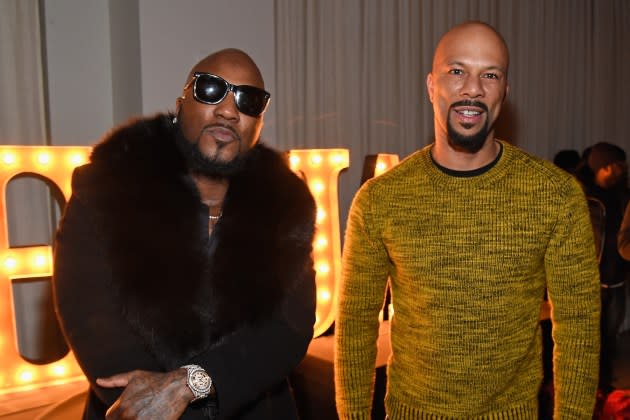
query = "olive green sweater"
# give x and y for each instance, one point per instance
(469, 259)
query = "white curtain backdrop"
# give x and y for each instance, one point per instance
(22, 117)
(352, 74)
(28, 200)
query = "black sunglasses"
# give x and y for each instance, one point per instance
(211, 89)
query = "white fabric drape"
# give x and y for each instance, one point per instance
(22, 101)
(28, 200)
(352, 73)
(22, 117)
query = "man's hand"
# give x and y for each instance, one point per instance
(148, 395)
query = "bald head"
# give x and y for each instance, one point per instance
(480, 38)
(233, 58)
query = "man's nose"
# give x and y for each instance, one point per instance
(227, 109)
(472, 87)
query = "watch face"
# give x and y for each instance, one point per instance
(201, 381)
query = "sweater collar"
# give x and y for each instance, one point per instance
(488, 174)
(471, 173)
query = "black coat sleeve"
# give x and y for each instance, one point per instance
(256, 358)
(92, 325)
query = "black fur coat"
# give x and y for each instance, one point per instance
(183, 293)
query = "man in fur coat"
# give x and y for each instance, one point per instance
(183, 275)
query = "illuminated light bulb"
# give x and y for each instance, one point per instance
(294, 161)
(76, 159)
(321, 242)
(40, 261)
(317, 318)
(9, 158)
(321, 215)
(316, 159)
(317, 187)
(59, 369)
(380, 168)
(323, 268)
(10, 263)
(338, 159)
(26, 376)
(324, 295)
(43, 158)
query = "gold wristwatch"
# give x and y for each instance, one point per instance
(198, 381)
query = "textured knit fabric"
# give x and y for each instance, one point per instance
(469, 259)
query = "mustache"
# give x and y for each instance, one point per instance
(469, 102)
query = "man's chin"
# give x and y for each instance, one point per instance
(218, 167)
(470, 144)
(467, 142)
(223, 163)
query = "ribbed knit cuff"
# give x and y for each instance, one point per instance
(355, 416)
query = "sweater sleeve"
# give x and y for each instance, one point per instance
(573, 286)
(623, 238)
(365, 267)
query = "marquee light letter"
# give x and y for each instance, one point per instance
(56, 165)
(320, 169)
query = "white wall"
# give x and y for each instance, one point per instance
(125, 59)
(78, 67)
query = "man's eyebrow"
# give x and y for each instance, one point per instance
(497, 68)
(462, 64)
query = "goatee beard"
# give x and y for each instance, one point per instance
(468, 143)
(198, 163)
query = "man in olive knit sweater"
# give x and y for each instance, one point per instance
(470, 230)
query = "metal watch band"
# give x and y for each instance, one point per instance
(198, 381)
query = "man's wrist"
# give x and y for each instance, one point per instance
(198, 382)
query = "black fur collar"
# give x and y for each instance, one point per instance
(178, 289)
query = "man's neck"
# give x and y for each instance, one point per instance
(211, 190)
(460, 160)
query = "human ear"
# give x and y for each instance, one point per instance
(430, 86)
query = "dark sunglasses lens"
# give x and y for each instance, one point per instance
(251, 101)
(210, 89)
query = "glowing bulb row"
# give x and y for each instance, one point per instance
(27, 375)
(36, 263)
(44, 158)
(316, 159)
